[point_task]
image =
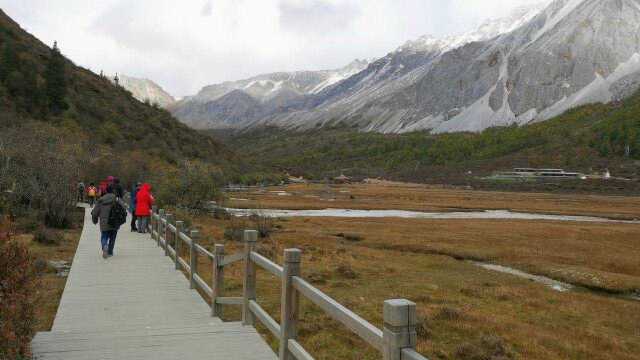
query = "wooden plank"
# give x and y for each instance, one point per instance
(298, 351)
(411, 354)
(266, 264)
(249, 279)
(230, 300)
(172, 253)
(203, 285)
(289, 302)
(217, 280)
(265, 318)
(338, 312)
(184, 265)
(136, 306)
(204, 252)
(230, 259)
(185, 238)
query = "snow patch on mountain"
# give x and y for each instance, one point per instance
(555, 18)
(488, 30)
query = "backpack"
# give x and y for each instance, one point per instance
(92, 192)
(117, 215)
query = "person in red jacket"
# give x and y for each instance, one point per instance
(144, 201)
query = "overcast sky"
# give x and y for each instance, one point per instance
(186, 44)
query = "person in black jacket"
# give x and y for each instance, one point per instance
(100, 214)
(118, 190)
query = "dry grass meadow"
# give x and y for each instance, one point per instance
(466, 312)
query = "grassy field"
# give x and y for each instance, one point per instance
(466, 312)
(51, 286)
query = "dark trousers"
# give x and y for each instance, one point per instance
(108, 240)
(134, 218)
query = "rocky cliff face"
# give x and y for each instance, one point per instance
(251, 99)
(146, 90)
(530, 66)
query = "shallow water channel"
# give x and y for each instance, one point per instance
(551, 283)
(486, 214)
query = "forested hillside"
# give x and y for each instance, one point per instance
(61, 124)
(38, 83)
(590, 139)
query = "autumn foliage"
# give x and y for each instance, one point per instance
(17, 289)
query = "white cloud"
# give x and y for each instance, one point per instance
(188, 44)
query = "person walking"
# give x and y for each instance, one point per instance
(118, 190)
(132, 206)
(92, 193)
(102, 213)
(81, 190)
(144, 201)
(102, 188)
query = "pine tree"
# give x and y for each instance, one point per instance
(56, 84)
(8, 61)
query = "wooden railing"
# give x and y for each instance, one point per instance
(396, 341)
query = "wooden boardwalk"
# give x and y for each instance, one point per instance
(137, 306)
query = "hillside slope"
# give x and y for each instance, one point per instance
(589, 139)
(94, 107)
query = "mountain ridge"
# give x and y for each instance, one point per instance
(533, 65)
(146, 90)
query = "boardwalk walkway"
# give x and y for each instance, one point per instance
(137, 306)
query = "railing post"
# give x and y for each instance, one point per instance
(217, 283)
(193, 258)
(179, 228)
(399, 330)
(160, 227)
(290, 302)
(249, 283)
(167, 234)
(153, 223)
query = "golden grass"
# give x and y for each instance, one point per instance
(458, 302)
(51, 286)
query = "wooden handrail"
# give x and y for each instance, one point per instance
(335, 310)
(265, 319)
(298, 351)
(266, 264)
(396, 342)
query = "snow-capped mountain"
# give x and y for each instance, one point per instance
(530, 66)
(146, 90)
(488, 30)
(230, 103)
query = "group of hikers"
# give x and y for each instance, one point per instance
(110, 214)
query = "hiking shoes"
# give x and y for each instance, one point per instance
(105, 253)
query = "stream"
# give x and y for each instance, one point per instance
(487, 214)
(551, 283)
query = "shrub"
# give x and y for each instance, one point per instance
(192, 185)
(263, 224)
(489, 347)
(17, 289)
(40, 167)
(345, 271)
(350, 237)
(449, 313)
(46, 236)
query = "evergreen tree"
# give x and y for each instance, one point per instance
(8, 61)
(56, 84)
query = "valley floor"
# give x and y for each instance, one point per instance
(467, 312)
